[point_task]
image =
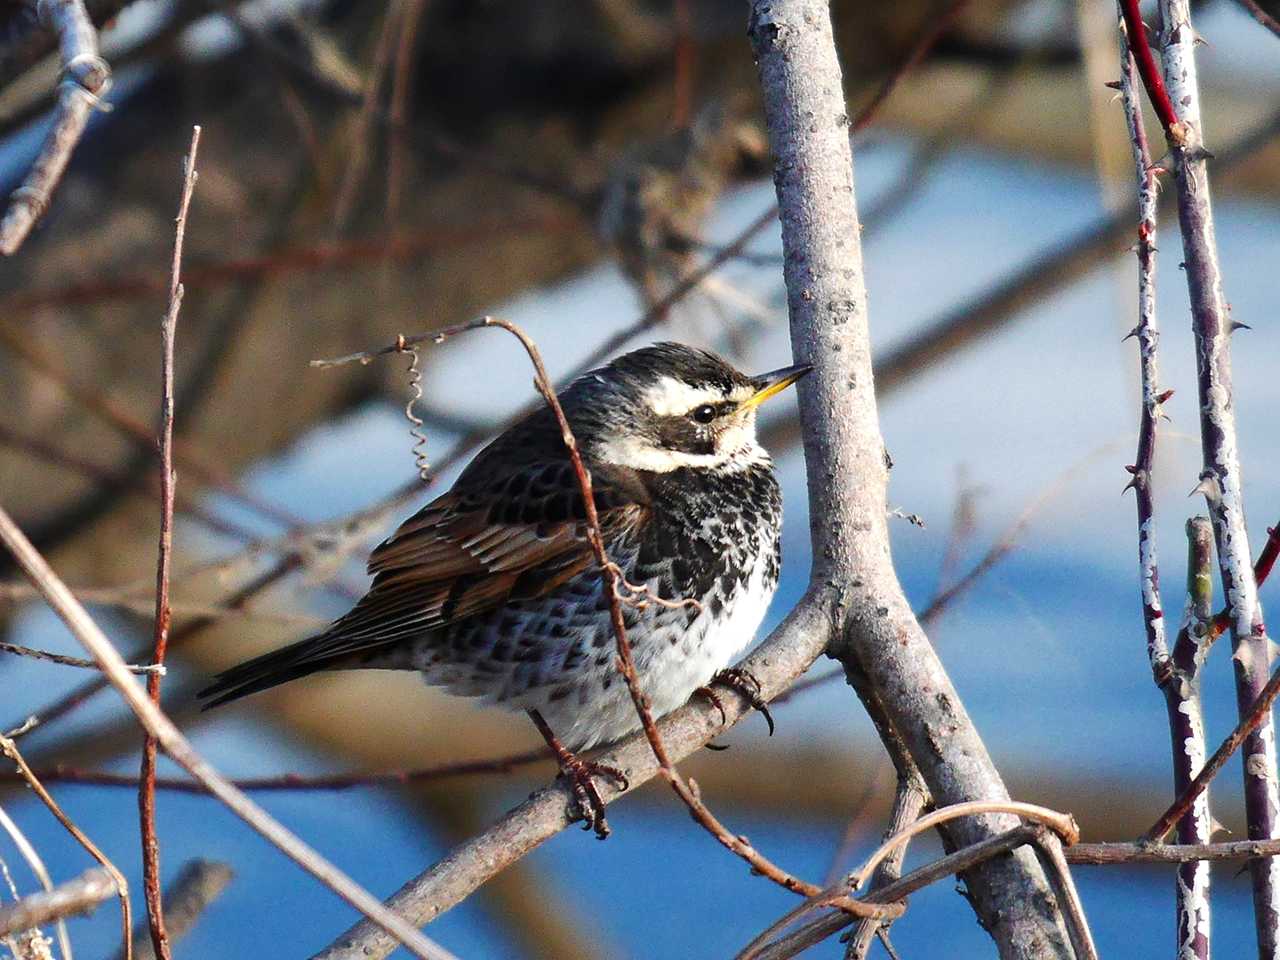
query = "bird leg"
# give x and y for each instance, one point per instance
(579, 773)
(742, 682)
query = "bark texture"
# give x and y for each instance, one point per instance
(877, 633)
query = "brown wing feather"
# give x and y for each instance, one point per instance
(462, 554)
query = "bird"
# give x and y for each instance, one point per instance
(492, 589)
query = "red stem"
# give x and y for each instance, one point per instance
(1261, 570)
(1136, 36)
(147, 774)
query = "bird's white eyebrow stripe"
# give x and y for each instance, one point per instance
(670, 397)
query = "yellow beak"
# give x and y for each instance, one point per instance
(770, 384)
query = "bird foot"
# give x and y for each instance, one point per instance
(580, 775)
(742, 682)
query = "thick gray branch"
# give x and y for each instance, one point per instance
(788, 652)
(847, 472)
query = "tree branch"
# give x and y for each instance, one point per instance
(85, 80)
(1221, 480)
(847, 472)
(147, 773)
(785, 655)
(179, 748)
(196, 887)
(10, 750)
(77, 896)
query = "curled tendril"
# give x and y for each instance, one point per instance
(419, 447)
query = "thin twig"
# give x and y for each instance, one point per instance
(145, 669)
(838, 894)
(1147, 851)
(122, 598)
(818, 930)
(288, 782)
(10, 750)
(402, 77)
(179, 748)
(1062, 824)
(1258, 13)
(909, 800)
(337, 255)
(85, 80)
(72, 898)
(1064, 887)
(196, 887)
(37, 867)
(1253, 717)
(362, 136)
(160, 640)
(935, 29)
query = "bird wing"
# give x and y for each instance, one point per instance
(470, 551)
(483, 543)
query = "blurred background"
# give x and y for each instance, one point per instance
(376, 168)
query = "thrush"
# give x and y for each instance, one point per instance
(492, 589)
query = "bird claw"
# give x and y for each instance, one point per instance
(580, 775)
(744, 683)
(714, 699)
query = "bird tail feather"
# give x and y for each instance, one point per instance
(297, 660)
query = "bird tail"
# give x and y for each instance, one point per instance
(297, 660)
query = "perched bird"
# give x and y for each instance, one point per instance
(492, 590)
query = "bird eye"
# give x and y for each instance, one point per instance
(703, 414)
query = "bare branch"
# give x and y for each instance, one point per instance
(1063, 824)
(179, 748)
(1177, 675)
(909, 800)
(160, 642)
(11, 751)
(195, 888)
(1148, 336)
(786, 654)
(289, 782)
(50, 657)
(72, 898)
(818, 930)
(38, 868)
(1258, 13)
(934, 31)
(1147, 851)
(1221, 480)
(85, 80)
(845, 458)
(1064, 886)
(1256, 714)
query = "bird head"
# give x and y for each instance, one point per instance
(670, 406)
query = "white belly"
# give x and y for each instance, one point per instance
(669, 672)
